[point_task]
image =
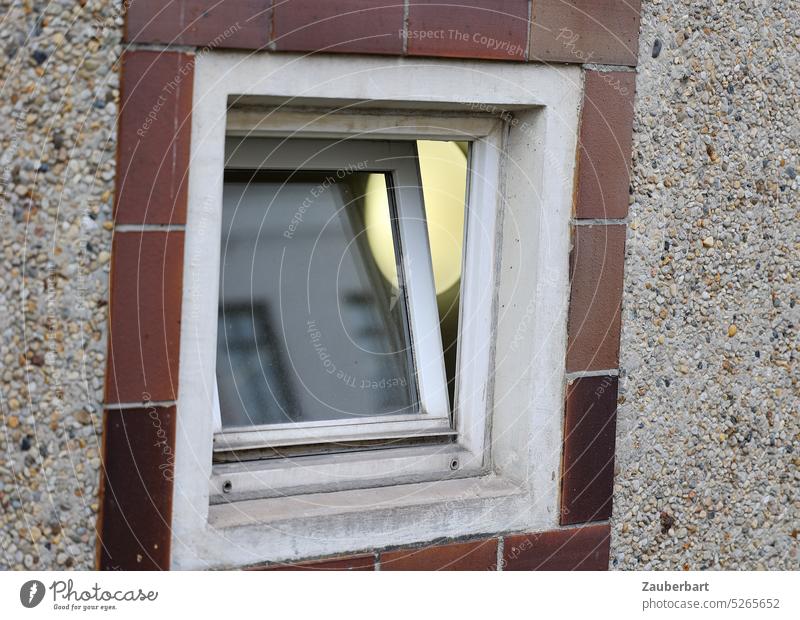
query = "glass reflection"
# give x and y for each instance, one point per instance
(310, 329)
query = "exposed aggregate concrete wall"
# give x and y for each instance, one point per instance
(708, 440)
(708, 431)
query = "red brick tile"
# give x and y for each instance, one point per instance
(584, 548)
(138, 461)
(585, 31)
(145, 317)
(596, 274)
(358, 562)
(496, 29)
(478, 555)
(587, 469)
(354, 26)
(154, 136)
(243, 24)
(604, 150)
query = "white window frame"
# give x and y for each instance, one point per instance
(466, 454)
(512, 380)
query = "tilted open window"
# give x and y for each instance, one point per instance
(343, 246)
(329, 327)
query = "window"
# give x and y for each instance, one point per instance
(340, 281)
(328, 242)
(427, 293)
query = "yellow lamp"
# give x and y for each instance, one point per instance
(443, 166)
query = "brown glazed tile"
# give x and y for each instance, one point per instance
(604, 149)
(353, 26)
(358, 562)
(478, 555)
(596, 275)
(585, 31)
(137, 474)
(587, 468)
(496, 29)
(242, 24)
(584, 548)
(145, 317)
(154, 135)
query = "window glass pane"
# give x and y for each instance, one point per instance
(312, 324)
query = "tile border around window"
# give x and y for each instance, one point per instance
(617, 42)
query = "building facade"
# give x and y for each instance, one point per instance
(643, 190)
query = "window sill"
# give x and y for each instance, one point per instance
(299, 526)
